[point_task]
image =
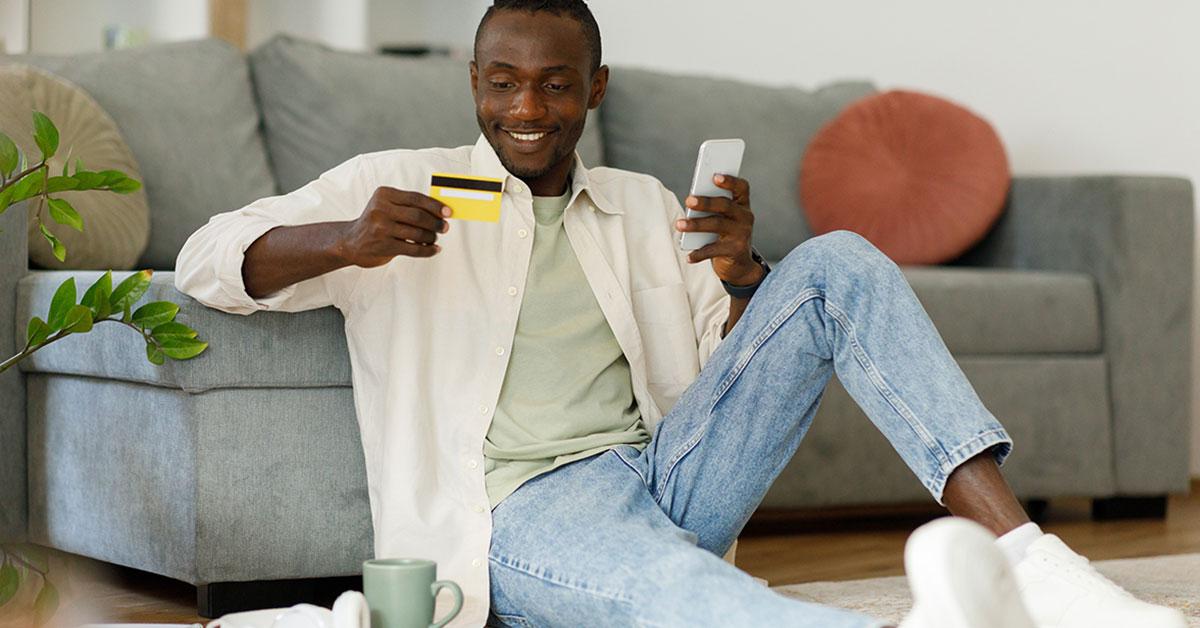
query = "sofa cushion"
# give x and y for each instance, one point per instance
(321, 106)
(920, 177)
(987, 311)
(268, 349)
(115, 226)
(654, 123)
(187, 111)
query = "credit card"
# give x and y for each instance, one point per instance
(469, 198)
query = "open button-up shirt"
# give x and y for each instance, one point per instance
(429, 338)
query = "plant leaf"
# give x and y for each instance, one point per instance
(60, 251)
(37, 332)
(152, 315)
(78, 164)
(154, 354)
(172, 331)
(61, 184)
(86, 180)
(9, 156)
(62, 213)
(130, 290)
(28, 187)
(79, 320)
(45, 134)
(35, 555)
(97, 296)
(10, 581)
(126, 186)
(183, 349)
(67, 162)
(45, 605)
(60, 305)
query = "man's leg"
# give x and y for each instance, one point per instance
(586, 545)
(834, 303)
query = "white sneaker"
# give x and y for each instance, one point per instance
(960, 579)
(1062, 590)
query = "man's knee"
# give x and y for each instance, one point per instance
(838, 254)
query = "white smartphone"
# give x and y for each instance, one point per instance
(716, 157)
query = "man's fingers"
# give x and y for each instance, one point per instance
(708, 251)
(707, 224)
(414, 234)
(416, 250)
(739, 187)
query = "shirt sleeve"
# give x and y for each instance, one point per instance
(209, 266)
(708, 301)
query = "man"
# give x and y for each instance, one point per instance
(511, 379)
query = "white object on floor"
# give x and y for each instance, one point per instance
(349, 611)
(1063, 590)
(960, 579)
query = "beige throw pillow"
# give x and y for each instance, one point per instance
(116, 227)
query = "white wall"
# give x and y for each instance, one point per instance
(338, 23)
(73, 26)
(13, 26)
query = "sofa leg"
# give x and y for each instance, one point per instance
(219, 598)
(1114, 508)
(1036, 509)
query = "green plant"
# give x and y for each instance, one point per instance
(100, 303)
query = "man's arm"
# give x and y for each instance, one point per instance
(730, 254)
(393, 223)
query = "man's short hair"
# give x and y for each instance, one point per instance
(574, 9)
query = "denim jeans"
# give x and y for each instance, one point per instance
(634, 538)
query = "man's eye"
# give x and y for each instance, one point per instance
(557, 87)
(501, 84)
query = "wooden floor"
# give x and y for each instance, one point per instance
(819, 546)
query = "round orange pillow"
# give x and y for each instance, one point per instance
(920, 177)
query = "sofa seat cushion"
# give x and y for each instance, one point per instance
(266, 350)
(322, 106)
(988, 311)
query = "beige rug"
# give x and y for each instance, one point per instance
(1167, 580)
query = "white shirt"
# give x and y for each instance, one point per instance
(429, 338)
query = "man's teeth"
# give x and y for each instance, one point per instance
(528, 137)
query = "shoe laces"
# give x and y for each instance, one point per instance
(1081, 568)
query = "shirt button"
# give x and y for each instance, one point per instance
(478, 509)
(499, 350)
(471, 464)
(483, 409)
(592, 208)
(512, 291)
(522, 233)
(477, 563)
(517, 188)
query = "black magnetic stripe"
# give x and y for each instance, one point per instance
(468, 184)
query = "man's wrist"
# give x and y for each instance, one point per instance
(745, 291)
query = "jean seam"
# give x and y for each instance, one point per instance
(881, 386)
(632, 467)
(533, 573)
(974, 447)
(739, 367)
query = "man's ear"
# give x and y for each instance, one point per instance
(474, 70)
(599, 87)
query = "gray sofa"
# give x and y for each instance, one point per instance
(1072, 317)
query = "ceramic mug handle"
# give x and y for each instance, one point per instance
(458, 600)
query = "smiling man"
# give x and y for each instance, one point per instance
(575, 419)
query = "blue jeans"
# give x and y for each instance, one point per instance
(634, 538)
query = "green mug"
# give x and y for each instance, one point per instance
(401, 591)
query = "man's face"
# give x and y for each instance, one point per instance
(533, 86)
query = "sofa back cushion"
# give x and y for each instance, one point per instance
(322, 106)
(655, 122)
(187, 112)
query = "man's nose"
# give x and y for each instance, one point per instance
(527, 104)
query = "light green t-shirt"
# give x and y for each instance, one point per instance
(568, 393)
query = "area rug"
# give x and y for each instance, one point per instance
(1167, 580)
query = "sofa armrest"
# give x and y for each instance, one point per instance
(1134, 236)
(14, 264)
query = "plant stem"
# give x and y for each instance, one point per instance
(28, 351)
(13, 181)
(14, 556)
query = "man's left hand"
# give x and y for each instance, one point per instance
(733, 223)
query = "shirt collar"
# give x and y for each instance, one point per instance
(485, 163)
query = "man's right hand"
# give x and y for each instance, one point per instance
(395, 222)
